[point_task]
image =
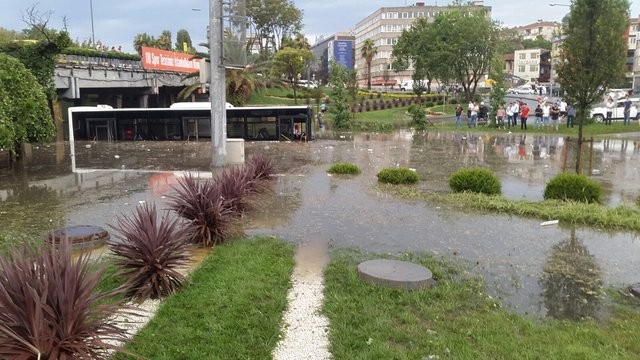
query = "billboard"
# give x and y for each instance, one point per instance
(156, 59)
(343, 53)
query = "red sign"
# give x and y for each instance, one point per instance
(156, 59)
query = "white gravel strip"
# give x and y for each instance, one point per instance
(305, 328)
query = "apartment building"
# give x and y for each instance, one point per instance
(532, 65)
(545, 29)
(384, 26)
(338, 47)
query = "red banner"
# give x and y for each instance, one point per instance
(156, 59)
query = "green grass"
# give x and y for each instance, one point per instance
(622, 217)
(344, 169)
(588, 130)
(456, 320)
(232, 309)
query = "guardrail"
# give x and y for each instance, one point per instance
(97, 62)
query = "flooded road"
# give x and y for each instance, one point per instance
(552, 270)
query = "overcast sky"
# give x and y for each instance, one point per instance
(116, 22)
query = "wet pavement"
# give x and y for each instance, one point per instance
(533, 269)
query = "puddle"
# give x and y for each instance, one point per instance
(529, 267)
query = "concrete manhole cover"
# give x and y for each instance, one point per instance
(81, 236)
(396, 274)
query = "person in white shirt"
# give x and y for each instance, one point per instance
(516, 112)
(545, 114)
(609, 105)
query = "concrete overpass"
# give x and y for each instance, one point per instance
(85, 80)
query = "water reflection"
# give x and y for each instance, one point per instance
(509, 252)
(572, 281)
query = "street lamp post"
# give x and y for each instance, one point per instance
(217, 86)
(93, 35)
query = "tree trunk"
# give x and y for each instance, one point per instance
(368, 76)
(580, 118)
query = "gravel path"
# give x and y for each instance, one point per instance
(305, 328)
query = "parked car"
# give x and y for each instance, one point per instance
(524, 89)
(407, 86)
(307, 84)
(600, 112)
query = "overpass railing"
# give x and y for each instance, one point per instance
(98, 62)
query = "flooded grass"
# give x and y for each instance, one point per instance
(458, 320)
(622, 217)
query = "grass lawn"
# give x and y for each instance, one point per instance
(232, 309)
(619, 218)
(456, 320)
(588, 130)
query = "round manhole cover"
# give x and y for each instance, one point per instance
(81, 236)
(396, 274)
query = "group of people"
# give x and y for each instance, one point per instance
(547, 114)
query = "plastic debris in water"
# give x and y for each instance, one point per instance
(550, 222)
(116, 156)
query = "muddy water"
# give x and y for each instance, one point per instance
(533, 269)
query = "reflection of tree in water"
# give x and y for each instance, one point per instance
(572, 281)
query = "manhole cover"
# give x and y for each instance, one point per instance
(396, 274)
(81, 236)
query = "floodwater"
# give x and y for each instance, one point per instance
(552, 270)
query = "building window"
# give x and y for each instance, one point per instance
(522, 56)
(522, 68)
(533, 68)
(535, 55)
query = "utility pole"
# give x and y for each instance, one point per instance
(217, 91)
(93, 34)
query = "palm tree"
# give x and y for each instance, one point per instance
(368, 51)
(141, 40)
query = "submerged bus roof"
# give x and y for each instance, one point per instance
(182, 106)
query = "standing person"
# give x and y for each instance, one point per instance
(627, 111)
(509, 114)
(500, 116)
(609, 105)
(563, 108)
(524, 113)
(571, 115)
(469, 110)
(323, 107)
(458, 117)
(546, 109)
(538, 113)
(555, 115)
(516, 112)
(474, 115)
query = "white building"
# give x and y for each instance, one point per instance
(533, 65)
(384, 26)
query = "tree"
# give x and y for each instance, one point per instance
(538, 42)
(141, 40)
(290, 63)
(164, 40)
(462, 44)
(183, 41)
(271, 21)
(24, 113)
(338, 76)
(593, 54)
(368, 52)
(498, 88)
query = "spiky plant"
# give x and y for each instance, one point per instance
(209, 219)
(50, 309)
(151, 250)
(261, 167)
(237, 187)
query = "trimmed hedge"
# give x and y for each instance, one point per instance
(398, 176)
(344, 168)
(573, 187)
(101, 54)
(476, 180)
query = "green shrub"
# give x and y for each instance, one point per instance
(344, 168)
(418, 117)
(476, 180)
(398, 176)
(573, 187)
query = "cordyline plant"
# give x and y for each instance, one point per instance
(261, 167)
(149, 252)
(50, 309)
(237, 186)
(209, 219)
